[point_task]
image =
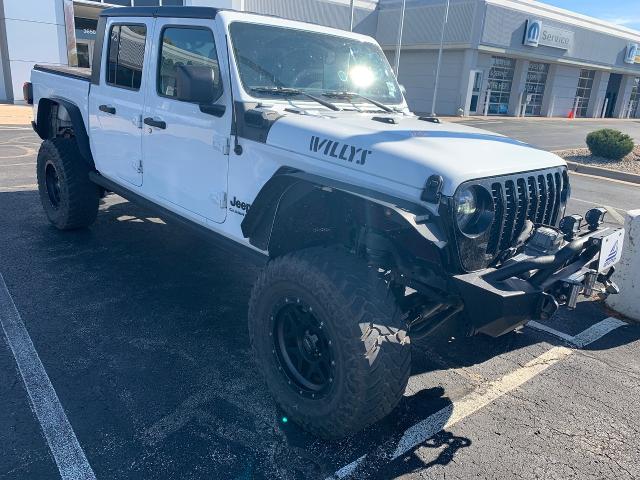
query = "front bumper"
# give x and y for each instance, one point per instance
(498, 300)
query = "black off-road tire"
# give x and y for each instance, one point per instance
(68, 197)
(367, 337)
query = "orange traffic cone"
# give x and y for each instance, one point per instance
(572, 114)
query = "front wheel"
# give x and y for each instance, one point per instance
(328, 337)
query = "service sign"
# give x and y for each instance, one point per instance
(632, 53)
(536, 33)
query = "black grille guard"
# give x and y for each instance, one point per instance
(531, 288)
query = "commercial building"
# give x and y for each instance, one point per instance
(499, 57)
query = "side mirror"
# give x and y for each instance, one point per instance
(197, 84)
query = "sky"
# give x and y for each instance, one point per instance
(622, 12)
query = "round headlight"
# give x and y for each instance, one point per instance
(474, 210)
(466, 206)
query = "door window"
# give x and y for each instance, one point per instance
(534, 87)
(583, 93)
(191, 47)
(475, 92)
(500, 81)
(126, 56)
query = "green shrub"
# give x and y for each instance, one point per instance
(609, 143)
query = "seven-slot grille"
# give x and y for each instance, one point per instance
(537, 197)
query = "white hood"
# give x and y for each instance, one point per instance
(409, 151)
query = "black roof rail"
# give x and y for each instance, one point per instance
(174, 12)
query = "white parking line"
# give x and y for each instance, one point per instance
(67, 452)
(485, 395)
(584, 338)
(556, 333)
(596, 331)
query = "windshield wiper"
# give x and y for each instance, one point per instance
(348, 95)
(289, 92)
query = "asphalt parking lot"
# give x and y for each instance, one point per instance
(140, 326)
(552, 134)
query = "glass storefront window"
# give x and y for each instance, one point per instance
(634, 102)
(500, 81)
(583, 93)
(534, 87)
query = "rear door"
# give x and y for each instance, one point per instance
(185, 150)
(116, 103)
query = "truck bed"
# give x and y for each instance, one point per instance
(69, 85)
(73, 72)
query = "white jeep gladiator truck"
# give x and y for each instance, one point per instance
(293, 142)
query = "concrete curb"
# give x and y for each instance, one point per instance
(603, 172)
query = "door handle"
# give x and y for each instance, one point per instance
(107, 109)
(155, 123)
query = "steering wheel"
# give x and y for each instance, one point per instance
(308, 77)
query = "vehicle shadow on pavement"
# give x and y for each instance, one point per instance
(141, 326)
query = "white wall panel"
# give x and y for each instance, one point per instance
(35, 34)
(417, 75)
(21, 35)
(43, 11)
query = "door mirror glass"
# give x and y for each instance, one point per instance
(196, 84)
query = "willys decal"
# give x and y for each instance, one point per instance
(339, 150)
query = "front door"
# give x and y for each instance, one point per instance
(186, 150)
(116, 103)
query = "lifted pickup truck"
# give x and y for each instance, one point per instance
(294, 142)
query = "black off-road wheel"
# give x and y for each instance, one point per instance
(329, 340)
(68, 197)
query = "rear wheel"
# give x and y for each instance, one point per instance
(68, 197)
(328, 337)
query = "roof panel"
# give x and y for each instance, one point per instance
(173, 12)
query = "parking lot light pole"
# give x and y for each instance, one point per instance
(399, 42)
(435, 86)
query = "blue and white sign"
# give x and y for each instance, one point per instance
(532, 31)
(536, 34)
(631, 53)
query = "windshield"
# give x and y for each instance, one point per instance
(315, 63)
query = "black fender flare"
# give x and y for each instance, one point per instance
(42, 125)
(288, 185)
